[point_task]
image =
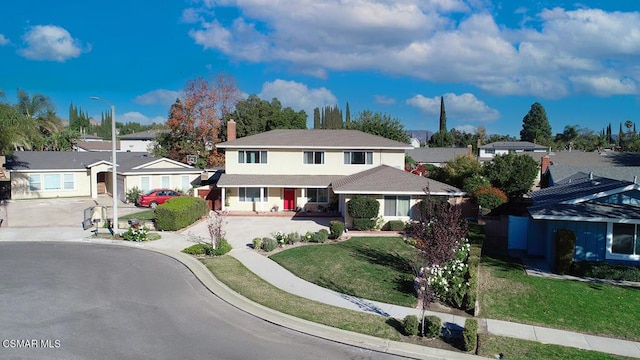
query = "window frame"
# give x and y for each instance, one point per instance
(242, 194)
(610, 255)
(262, 156)
(314, 160)
(349, 157)
(310, 199)
(32, 183)
(396, 199)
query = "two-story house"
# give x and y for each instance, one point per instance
(489, 151)
(311, 170)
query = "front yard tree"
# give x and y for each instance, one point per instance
(379, 124)
(535, 126)
(511, 173)
(460, 168)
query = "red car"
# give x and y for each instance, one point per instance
(156, 197)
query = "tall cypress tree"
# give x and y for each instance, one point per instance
(347, 115)
(443, 116)
(316, 119)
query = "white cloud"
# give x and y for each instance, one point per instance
(3, 40)
(296, 95)
(384, 100)
(50, 42)
(134, 116)
(463, 107)
(469, 129)
(158, 96)
(454, 41)
(605, 85)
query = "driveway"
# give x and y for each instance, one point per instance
(81, 301)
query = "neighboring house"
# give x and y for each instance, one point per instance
(94, 145)
(603, 213)
(4, 180)
(316, 170)
(561, 167)
(437, 156)
(40, 174)
(139, 142)
(489, 151)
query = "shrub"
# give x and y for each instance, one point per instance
(136, 234)
(473, 183)
(363, 207)
(223, 247)
(293, 238)
(449, 282)
(322, 235)
(471, 276)
(490, 197)
(198, 249)
(470, 335)
(431, 326)
(395, 225)
(565, 247)
(601, 270)
(410, 325)
(363, 224)
(132, 194)
(310, 236)
(269, 244)
(257, 243)
(336, 228)
(280, 237)
(180, 212)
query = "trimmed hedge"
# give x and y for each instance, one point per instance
(269, 244)
(363, 207)
(395, 225)
(410, 325)
(432, 326)
(257, 243)
(602, 270)
(336, 229)
(565, 247)
(180, 212)
(206, 249)
(470, 335)
(364, 224)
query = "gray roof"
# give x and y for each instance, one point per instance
(595, 159)
(434, 155)
(588, 210)
(386, 179)
(143, 135)
(73, 160)
(96, 145)
(562, 174)
(321, 181)
(315, 139)
(513, 145)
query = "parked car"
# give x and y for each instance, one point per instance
(156, 197)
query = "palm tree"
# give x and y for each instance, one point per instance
(39, 117)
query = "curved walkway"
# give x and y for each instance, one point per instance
(239, 231)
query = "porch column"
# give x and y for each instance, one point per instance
(224, 200)
(261, 199)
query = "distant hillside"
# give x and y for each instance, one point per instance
(422, 135)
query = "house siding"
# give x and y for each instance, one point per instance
(20, 185)
(590, 239)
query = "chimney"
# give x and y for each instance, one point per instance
(231, 130)
(544, 164)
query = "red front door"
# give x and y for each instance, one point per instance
(289, 199)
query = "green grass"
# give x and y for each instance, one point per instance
(236, 276)
(374, 268)
(507, 293)
(515, 349)
(141, 215)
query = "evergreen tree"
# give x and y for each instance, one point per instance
(535, 126)
(443, 116)
(347, 115)
(316, 119)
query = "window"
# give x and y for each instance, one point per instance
(145, 183)
(490, 151)
(318, 195)
(313, 157)
(165, 181)
(358, 157)
(52, 182)
(252, 194)
(396, 205)
(69, 182)
(625, 240)
(185, 182)
(252, 157)
(34, 183)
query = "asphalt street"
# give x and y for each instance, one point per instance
(89, 301)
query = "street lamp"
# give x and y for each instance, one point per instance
(114, 181)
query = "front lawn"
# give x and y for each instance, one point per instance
(507, 293)
(140, 215)
(374, 268)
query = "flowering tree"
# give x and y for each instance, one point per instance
(215, 225)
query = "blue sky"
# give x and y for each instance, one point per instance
(489, 59)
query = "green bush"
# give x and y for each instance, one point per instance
(395, 225)
(602, 270)
(223, 247)
(293, 238)
(310, 236)
(364, 224)
(490, 197)
(257, 243)
(410, 325)
(470, 335)
(199, 249)
(565, 247)
(363, 207)
(322, 235)
(180, 212)
(136, 234)
(132, 194)
(269, 244)
(432, 326)
(336, 228)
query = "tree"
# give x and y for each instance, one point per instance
(316, 118)
(511, 173)
(460, 168)
(535, 126)
(347, 115)
(443, 117)
(441, 139)
(380, 124)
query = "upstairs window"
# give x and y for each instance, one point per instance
(358, 157)
(252, 157)
(313, 157)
